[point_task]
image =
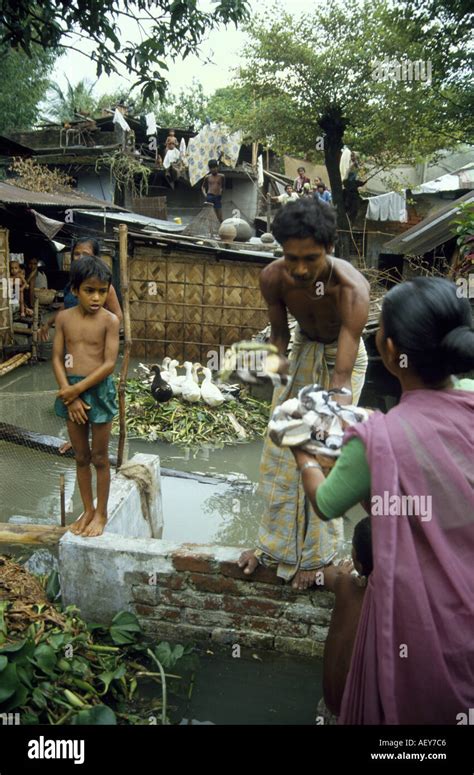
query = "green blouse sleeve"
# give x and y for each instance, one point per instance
(347, 484)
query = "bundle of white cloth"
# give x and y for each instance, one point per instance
(314, 421)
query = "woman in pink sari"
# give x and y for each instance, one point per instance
(413, 656)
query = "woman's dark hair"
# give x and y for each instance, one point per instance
(306, 218)
(86, 267)
(432, 325)
(86, 240)
(362, 543)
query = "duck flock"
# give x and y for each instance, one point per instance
(166, 383)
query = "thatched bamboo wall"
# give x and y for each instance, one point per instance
(5, 311)
(186, 304)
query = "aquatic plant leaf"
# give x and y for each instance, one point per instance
(39, 699)
(53, 587)
(124, 628)
(45, 658)
(3, 624)
(11, 647)
(98, 715)
(9, 682)
(17, 700)
(3, 663)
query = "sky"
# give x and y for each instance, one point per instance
(221, 51)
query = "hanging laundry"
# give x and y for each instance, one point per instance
(388, 207)
(119, 119)
(183, 152)
(150, 124)
(345, 163)
(212, 142)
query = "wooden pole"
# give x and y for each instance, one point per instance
(62, 496)
(34, 341)
(123, 235)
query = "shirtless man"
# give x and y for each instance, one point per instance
(213, 187)
(330, 300)
(85, 351)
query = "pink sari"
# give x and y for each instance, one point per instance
(413, 659)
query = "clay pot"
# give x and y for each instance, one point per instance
(227, 231)
(244, 231)
(267, 238)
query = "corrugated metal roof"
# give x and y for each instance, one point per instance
(430, 232)
(10, 194)
(137, 218)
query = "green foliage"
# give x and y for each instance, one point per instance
(185, 110)
(94, 684)
(174, 28)
(23, 84)
(126, 171)
(64, 105)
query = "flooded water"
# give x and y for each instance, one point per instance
(197, 512)
(193, 511)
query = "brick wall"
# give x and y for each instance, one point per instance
(199, 594)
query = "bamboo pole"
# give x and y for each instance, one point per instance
(123, 234)
(62, 496)
(34, 341)
(14, 362)
(30, 534)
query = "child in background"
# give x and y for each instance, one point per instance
(17, 288)
(171, 141)
(349, 591)
(85, 351)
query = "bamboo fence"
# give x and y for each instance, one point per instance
(184, 306)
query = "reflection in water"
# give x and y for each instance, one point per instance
(240, 509)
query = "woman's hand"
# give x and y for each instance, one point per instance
(77, 411)
(43, 333)
(69, 394)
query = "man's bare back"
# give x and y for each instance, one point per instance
(338, 296)
(215, 184)
(85, 338)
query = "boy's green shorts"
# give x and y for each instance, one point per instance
(101, 398)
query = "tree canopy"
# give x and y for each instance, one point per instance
(312, 82)
(23, 84)
(165, 28)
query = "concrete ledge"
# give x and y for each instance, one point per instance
(191, 593)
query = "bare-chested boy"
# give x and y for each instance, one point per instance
(85, 351)
(330, 300)
(213, 187)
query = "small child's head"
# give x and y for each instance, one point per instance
(15, 268)
(362, 547)
(33, 264)
(289, 189)
(301, 172)
(90, 279)
(213, 166)
(172, 133)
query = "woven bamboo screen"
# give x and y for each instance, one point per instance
(187, 306)
(153, 206)
(5, 310)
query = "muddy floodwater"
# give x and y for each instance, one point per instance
(221, 512)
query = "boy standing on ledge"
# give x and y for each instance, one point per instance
(213, 187)
(85, 351)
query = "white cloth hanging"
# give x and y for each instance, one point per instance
(183, 151)
(345, 162)
(170, 158)
(260, 178)
(150, 124)
(388, 207)
(119, 119)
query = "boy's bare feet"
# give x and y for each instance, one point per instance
(65, 447)
(248, 562)
(304, 579)
(96, 526)
(80, 524)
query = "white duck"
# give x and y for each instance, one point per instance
(211, 394)
(190, 391)
(196, 367)
(165, 368)
(175, 382)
